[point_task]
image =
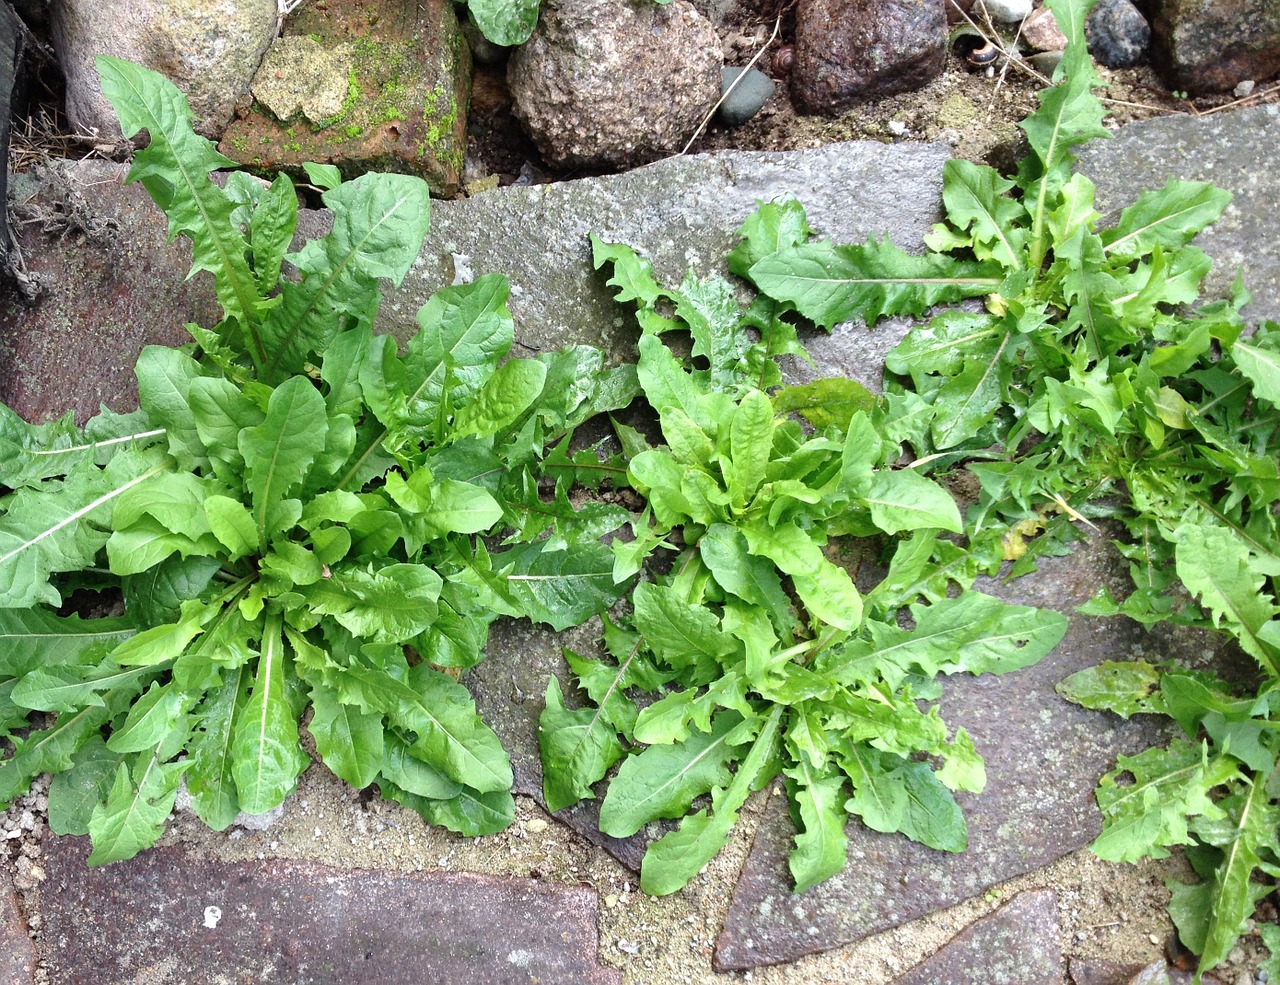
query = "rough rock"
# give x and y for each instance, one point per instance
(1016, 945)
(1117, 33)
(603, 83)
(1234, 150)
(110, 282)
(209, 48)
(1040, 30)
(1020, 822)
(745, 92)
(733, 13)
(170, 916)
(367, 86)
(1202, 46)
(1006, 11)
(847, 50)
(17, 956)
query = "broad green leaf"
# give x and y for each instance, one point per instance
(350, 741)
(1167, 217)
(506, 395)
(678, 856)
(233, 525)
(209, 780)
(681, 634)
(135, 811)
(74, 794)
(464, 331)
(390, 604)
(50, 750)
(166, 378)
(467, 812)
(821, 846)
(379, 224)
(903, 499)
(442, 714)
(750, 447)
(1215, 565)
(753, 579)
(153, 720)
(37, 638)
(504, 22)
(559, 588)
(59, 528)
(278, 452)
(1262, 368)
(830, 284)
(266, 756)
(663, 780)
(577, 746)
(412, 774)
(1246, 836)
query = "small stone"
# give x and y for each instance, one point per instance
(1007, 11)
(536, 825)
(611, 900)
(897, 128)
(1041, 31)
(743, 101)
(1045, 62)
(1243, 89)
(1117, 33)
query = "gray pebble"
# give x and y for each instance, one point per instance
(747, 96)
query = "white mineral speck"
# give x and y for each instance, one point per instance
(212, 914)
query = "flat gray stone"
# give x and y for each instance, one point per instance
(1016, 945)
(1043, 755)
(1233, 150)
(148, 919)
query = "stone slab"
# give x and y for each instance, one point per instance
(1043, 755)
(1016, 945)
(148, 920)
(17, 956)
(110, 283)
(1236, 151)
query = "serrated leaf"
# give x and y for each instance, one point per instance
(135, 811)
(830, 284)
(75, 793)
(1262, 368)
(577, 747)
(1167, 217)
(37, 638)
(209, 779)
(821, 846)
(379, 224)
(663, 780)
(1148, 813)
(903, 499)
(505, 22)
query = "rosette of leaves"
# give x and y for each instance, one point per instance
(1102, 392)
(759, 656)
(288, 519)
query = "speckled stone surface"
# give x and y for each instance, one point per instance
(1015, 945)
(1043, 755)
(148, 920)
(1236, 151)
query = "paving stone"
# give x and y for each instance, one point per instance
(109, 284)
(1043, 757)
(149, 919)
(1016, 945)
(17, 957)
(1097, 971)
